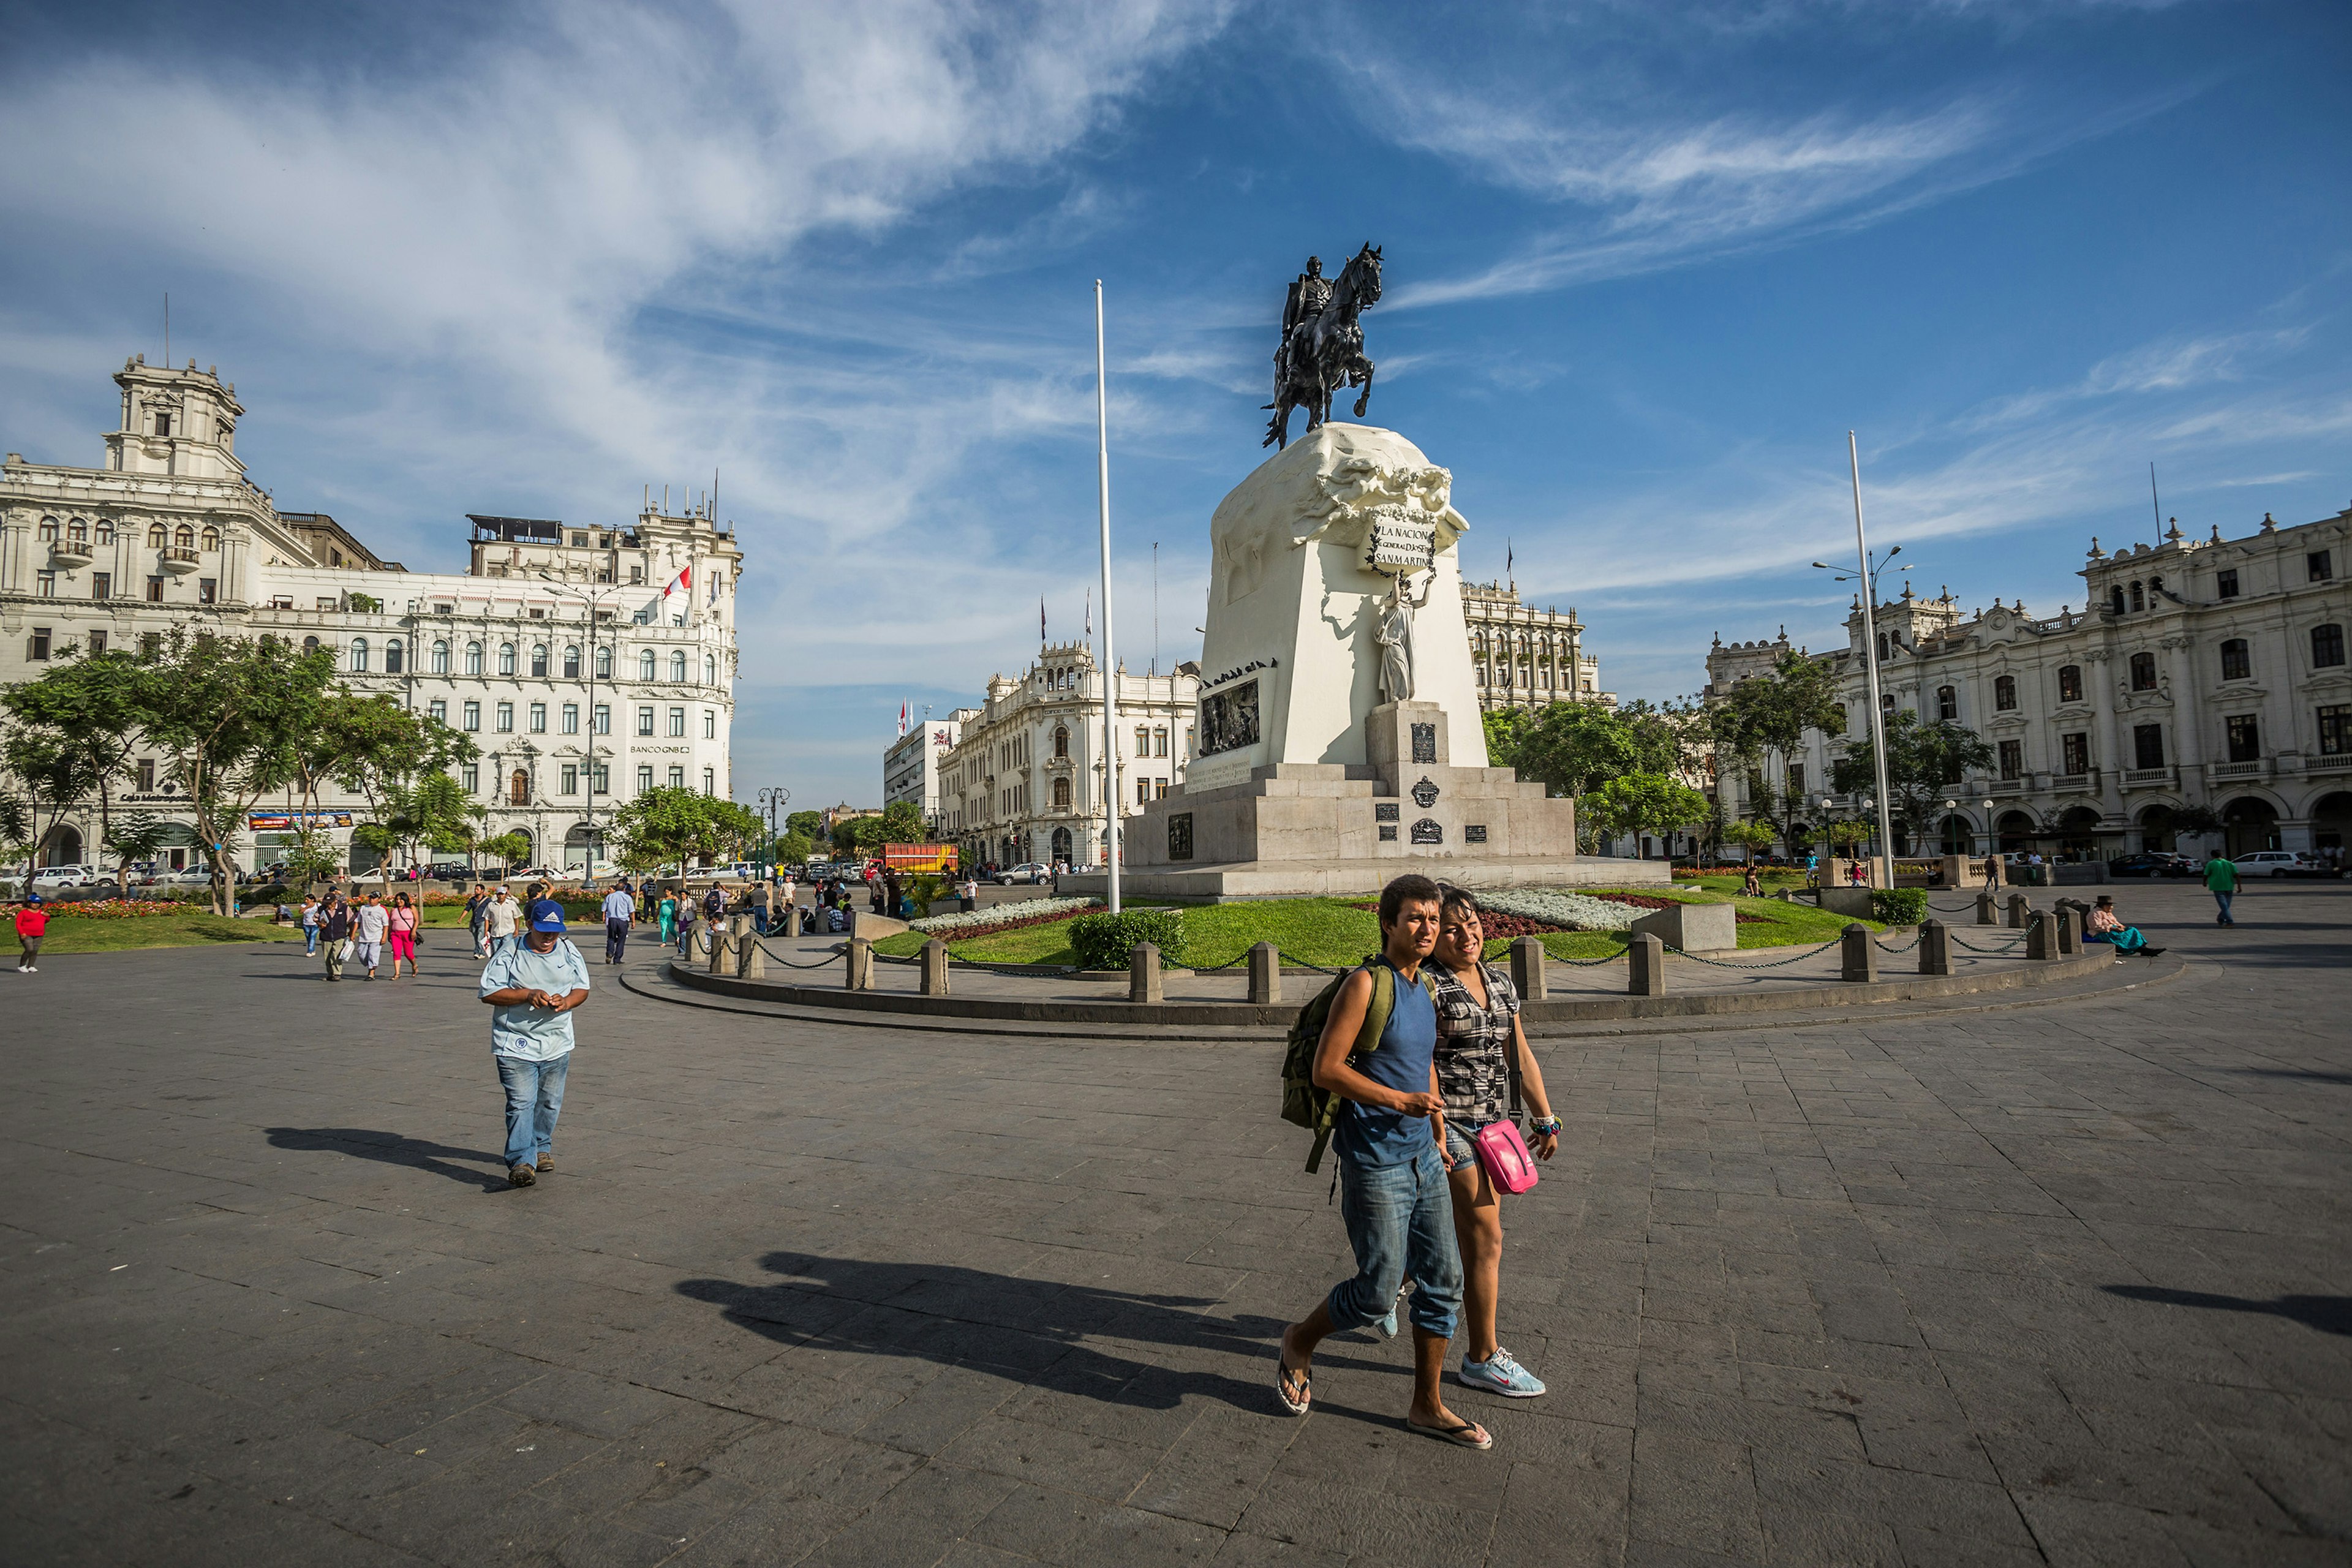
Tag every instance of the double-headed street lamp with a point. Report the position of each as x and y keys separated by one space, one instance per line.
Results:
x=772 y=799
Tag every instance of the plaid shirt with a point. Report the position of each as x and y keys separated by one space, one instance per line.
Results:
x=1473 y=1045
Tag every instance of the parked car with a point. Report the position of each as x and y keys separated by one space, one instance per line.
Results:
x=2149 y=863
x=197 y=876
x=449 y=871
x=2285 y=863
x=50 y=878
x=1029 y=871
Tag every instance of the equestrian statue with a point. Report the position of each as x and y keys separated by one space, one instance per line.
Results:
x=1322 y=347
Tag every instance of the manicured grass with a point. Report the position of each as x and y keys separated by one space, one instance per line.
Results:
x=1332 y=931
x=1772 y=879
x=72 y=935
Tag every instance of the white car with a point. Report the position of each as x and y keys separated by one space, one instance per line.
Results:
x=49 y=878
x=1030 y=871
x=2283 y=863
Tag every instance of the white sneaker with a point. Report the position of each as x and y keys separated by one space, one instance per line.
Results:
x=1498 y=1373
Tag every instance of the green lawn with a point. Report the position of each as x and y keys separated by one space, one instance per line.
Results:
x=1331 y=931
x=196 y=930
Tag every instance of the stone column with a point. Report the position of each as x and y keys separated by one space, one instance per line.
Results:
x=1645 y=959
x=1144 y=980
x=2042 y=937
x=1987 y=913
x=2112 y=760
x=935 y=968
x=860 y=974
x=1528 y=969
x=1264 y=974
x=1857 y=955
x=1935 y=948
x=2188 y=715
x=2021 y=913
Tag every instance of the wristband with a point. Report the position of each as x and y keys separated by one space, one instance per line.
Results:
x=1544 y=1126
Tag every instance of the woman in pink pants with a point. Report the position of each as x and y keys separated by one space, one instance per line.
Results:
x=402 y=929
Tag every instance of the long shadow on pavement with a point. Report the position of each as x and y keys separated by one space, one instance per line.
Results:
x=2328 y=1314
x=391 y=1149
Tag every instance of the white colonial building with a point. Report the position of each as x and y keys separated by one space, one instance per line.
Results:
x=1525 y=657
x=910 y=767
x=1025 y=780
x=2204 y=673
x=588 y=664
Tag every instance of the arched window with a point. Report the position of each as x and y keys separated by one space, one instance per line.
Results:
x=2115 y=599
x=604 y=664
x=2237 y=659
x=571 y=661
x=2070 y=683
x=473 y=659
x=440 y=656
x=212 y=539
x=105 y=531
x=2139 y=599
x=156 y=538
x=1886 y=702
x=677 y=664
x=2004 y=692
x=1061 y=794
x=309 y=645
x=359 y=653
x=519 y=788
x=648 y=664
x=2327 y=645
x=1882 y=647
x=1947 y=702
x=49 y=531
x=709 y=669
x=391 y=657
x=2142 y=672
x=506 y=659
x=1061 y=744
x=78 y=533
x=539 y=659
x=183 y=537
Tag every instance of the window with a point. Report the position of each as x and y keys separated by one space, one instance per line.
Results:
x=207 y=590
x=1188 y=740
x=678 y=721
x=156 y=538
x=105 y=531
x=359 y=659
x=473 y=711
x=539 y=717
x=710 y=723
x=1142 y=741
x=601 y=721
x=2236 y=664
x=2070 y=683
x=637 y=573
x=570 y=778
x=439 y=710
x=162 y=425
x=2335 y=729
x=40 y=649
x=1160 y=787
x=211 y=540
x=2075 y=755
x=1947 y=702
x=506 y=659
x=519 y=788
x=645 y=720
x=78 y=534
x=49 y=531
x=2004 y=692
x=571 y=718
x=2327 y=646
x=440 y=657
x=102 y=585
x=150 y=644
x=98 y=642
x=146 y=775
x=677 y=664
x=710 y=781
x=604 y=664
x=1882 y=647
x=46 y=583
x=506 y=718
x=600 y=779
x=471 y=776
x=2115 y=599
x=1061 y=794
x=709 y=669
x=572 y=662
x=2142 y=672
x=2225 y=584
x=645 y=779
x=2322 y=563
x=1142 y=792
x=539 y=661
x=2138 y=599
x=646 y=664
x=183 y=537
x=1061 y=744
x=1797 y=780
x=676 y=776
x=473 y=659
x=1159 y=743
x=393 y=657
x=2012 y=759
x=2245 y=738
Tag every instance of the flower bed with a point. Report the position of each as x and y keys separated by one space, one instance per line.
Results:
x=989 y=922
x=119 y=909
x=1569 y=911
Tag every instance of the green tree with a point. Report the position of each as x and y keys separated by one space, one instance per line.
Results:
x=91 y=705
x=1642 y=803
x=809 y=825
x=1574 y=748
x=1750 y=836
x=137 y=836
x=794 y=848
x=673 y=825
x=1505 y=728
x=53 y=773
x=1924 y=762
x=1764 y=719
x=386 y=751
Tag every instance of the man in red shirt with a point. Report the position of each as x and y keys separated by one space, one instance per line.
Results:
x=31 y=921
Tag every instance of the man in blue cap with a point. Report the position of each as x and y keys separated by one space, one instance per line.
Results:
x=532 y=986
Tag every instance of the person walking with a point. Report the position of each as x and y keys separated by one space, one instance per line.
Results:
x=667 y=914
x=499 y=918
x=309 y=926
x=619 y=910
x=335 y=935
x=532 y=987
x=688 y=913
x=1992 y=871
x=369 y=923
x=400 y=929
x=1395 y=1201
x=2221 y=881
x=477 y=904
x=1481 y=1047
x=32 y=924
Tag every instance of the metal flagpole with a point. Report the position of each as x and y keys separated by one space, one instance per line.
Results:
x=1110 y=644
x=1870 y=661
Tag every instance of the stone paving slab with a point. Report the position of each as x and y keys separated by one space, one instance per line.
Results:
x=2065 y=1283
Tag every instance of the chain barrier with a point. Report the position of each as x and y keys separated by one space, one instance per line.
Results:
x=1888 y=947
x=1781 y=964
x=2001 y=947
x=1302 y=964
x=1586 y=963
x=821 y=963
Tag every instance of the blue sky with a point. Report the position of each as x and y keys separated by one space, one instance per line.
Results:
x=1646 y=263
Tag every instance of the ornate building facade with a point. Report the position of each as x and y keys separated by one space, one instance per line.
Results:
x=1024 y=780
x=2202 y=673
x=588 y=664
x=1525 y=657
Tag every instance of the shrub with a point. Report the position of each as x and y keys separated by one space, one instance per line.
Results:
x=1899 y=905
x=1109 y=941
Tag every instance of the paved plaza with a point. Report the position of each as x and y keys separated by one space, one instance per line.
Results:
x=2063 y=1283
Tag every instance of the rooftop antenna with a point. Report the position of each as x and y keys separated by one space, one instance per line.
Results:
x=2154 y=507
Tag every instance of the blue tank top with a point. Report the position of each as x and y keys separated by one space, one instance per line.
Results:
x=1374 y=1137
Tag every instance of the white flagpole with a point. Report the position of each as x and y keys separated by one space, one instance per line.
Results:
x=1107 y=664
x=1870 y=662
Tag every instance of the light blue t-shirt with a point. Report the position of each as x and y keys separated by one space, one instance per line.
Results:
x=619 y=906
x=534 y=1034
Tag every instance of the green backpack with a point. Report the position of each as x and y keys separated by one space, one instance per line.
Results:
x=1302 y=1102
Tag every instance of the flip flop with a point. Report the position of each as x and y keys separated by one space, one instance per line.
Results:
x=1284 y=1380
x=1459 y=1435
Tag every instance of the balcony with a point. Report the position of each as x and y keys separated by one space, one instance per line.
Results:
x=2254 y=769
x=2151 y=778
x=179 y=563
x=2321 y=763
x=2006 y=786
x=72 y=556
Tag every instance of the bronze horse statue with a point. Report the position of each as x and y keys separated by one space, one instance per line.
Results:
x=1326 y=352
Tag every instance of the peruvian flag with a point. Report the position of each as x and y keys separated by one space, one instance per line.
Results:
x=902 y=719
x=682 y=583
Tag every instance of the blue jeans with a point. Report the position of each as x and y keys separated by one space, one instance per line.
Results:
x=2224 y=898
x=1400 y=1221
x=534 y=1100
x=310 y=941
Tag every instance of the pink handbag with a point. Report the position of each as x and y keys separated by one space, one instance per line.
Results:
x=1505 y=1155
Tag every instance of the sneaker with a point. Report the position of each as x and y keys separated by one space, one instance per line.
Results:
x=522 y=1176
x=1387 y=1325
x=1498 y=1373
x=546 y=1163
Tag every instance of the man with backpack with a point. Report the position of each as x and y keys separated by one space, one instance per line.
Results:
x=1372 y=1086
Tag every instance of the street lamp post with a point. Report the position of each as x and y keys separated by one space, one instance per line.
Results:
x=1866 y=573
x=594 y=602
x=773 y=797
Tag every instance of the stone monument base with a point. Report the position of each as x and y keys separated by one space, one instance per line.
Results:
x=1305 y=829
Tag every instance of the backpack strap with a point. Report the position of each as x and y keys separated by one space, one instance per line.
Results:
x=1377 y=1011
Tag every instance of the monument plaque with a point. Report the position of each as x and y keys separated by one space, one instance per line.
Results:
x=1386 y=811
x=1387 y=832
x=1424 y=794
x=1424 y=742
x=1180 y=836
x=1476 y=833
x=1428 y=831
x=1229 y=719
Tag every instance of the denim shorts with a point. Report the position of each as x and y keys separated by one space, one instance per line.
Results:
x=1400 y=1221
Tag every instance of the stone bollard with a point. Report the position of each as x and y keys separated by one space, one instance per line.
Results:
x=1935 y=948
x=1528 y=969
x=721 y=945
x=2068 y=918
x=1264 y=974
x=1988 y=912
x=1646 y=960
x=752 y=960
x=1857 y=955
x=861 y=964
x=935 y=968
x=1144 y=980
x=2041 y=936
x=2019 y=911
